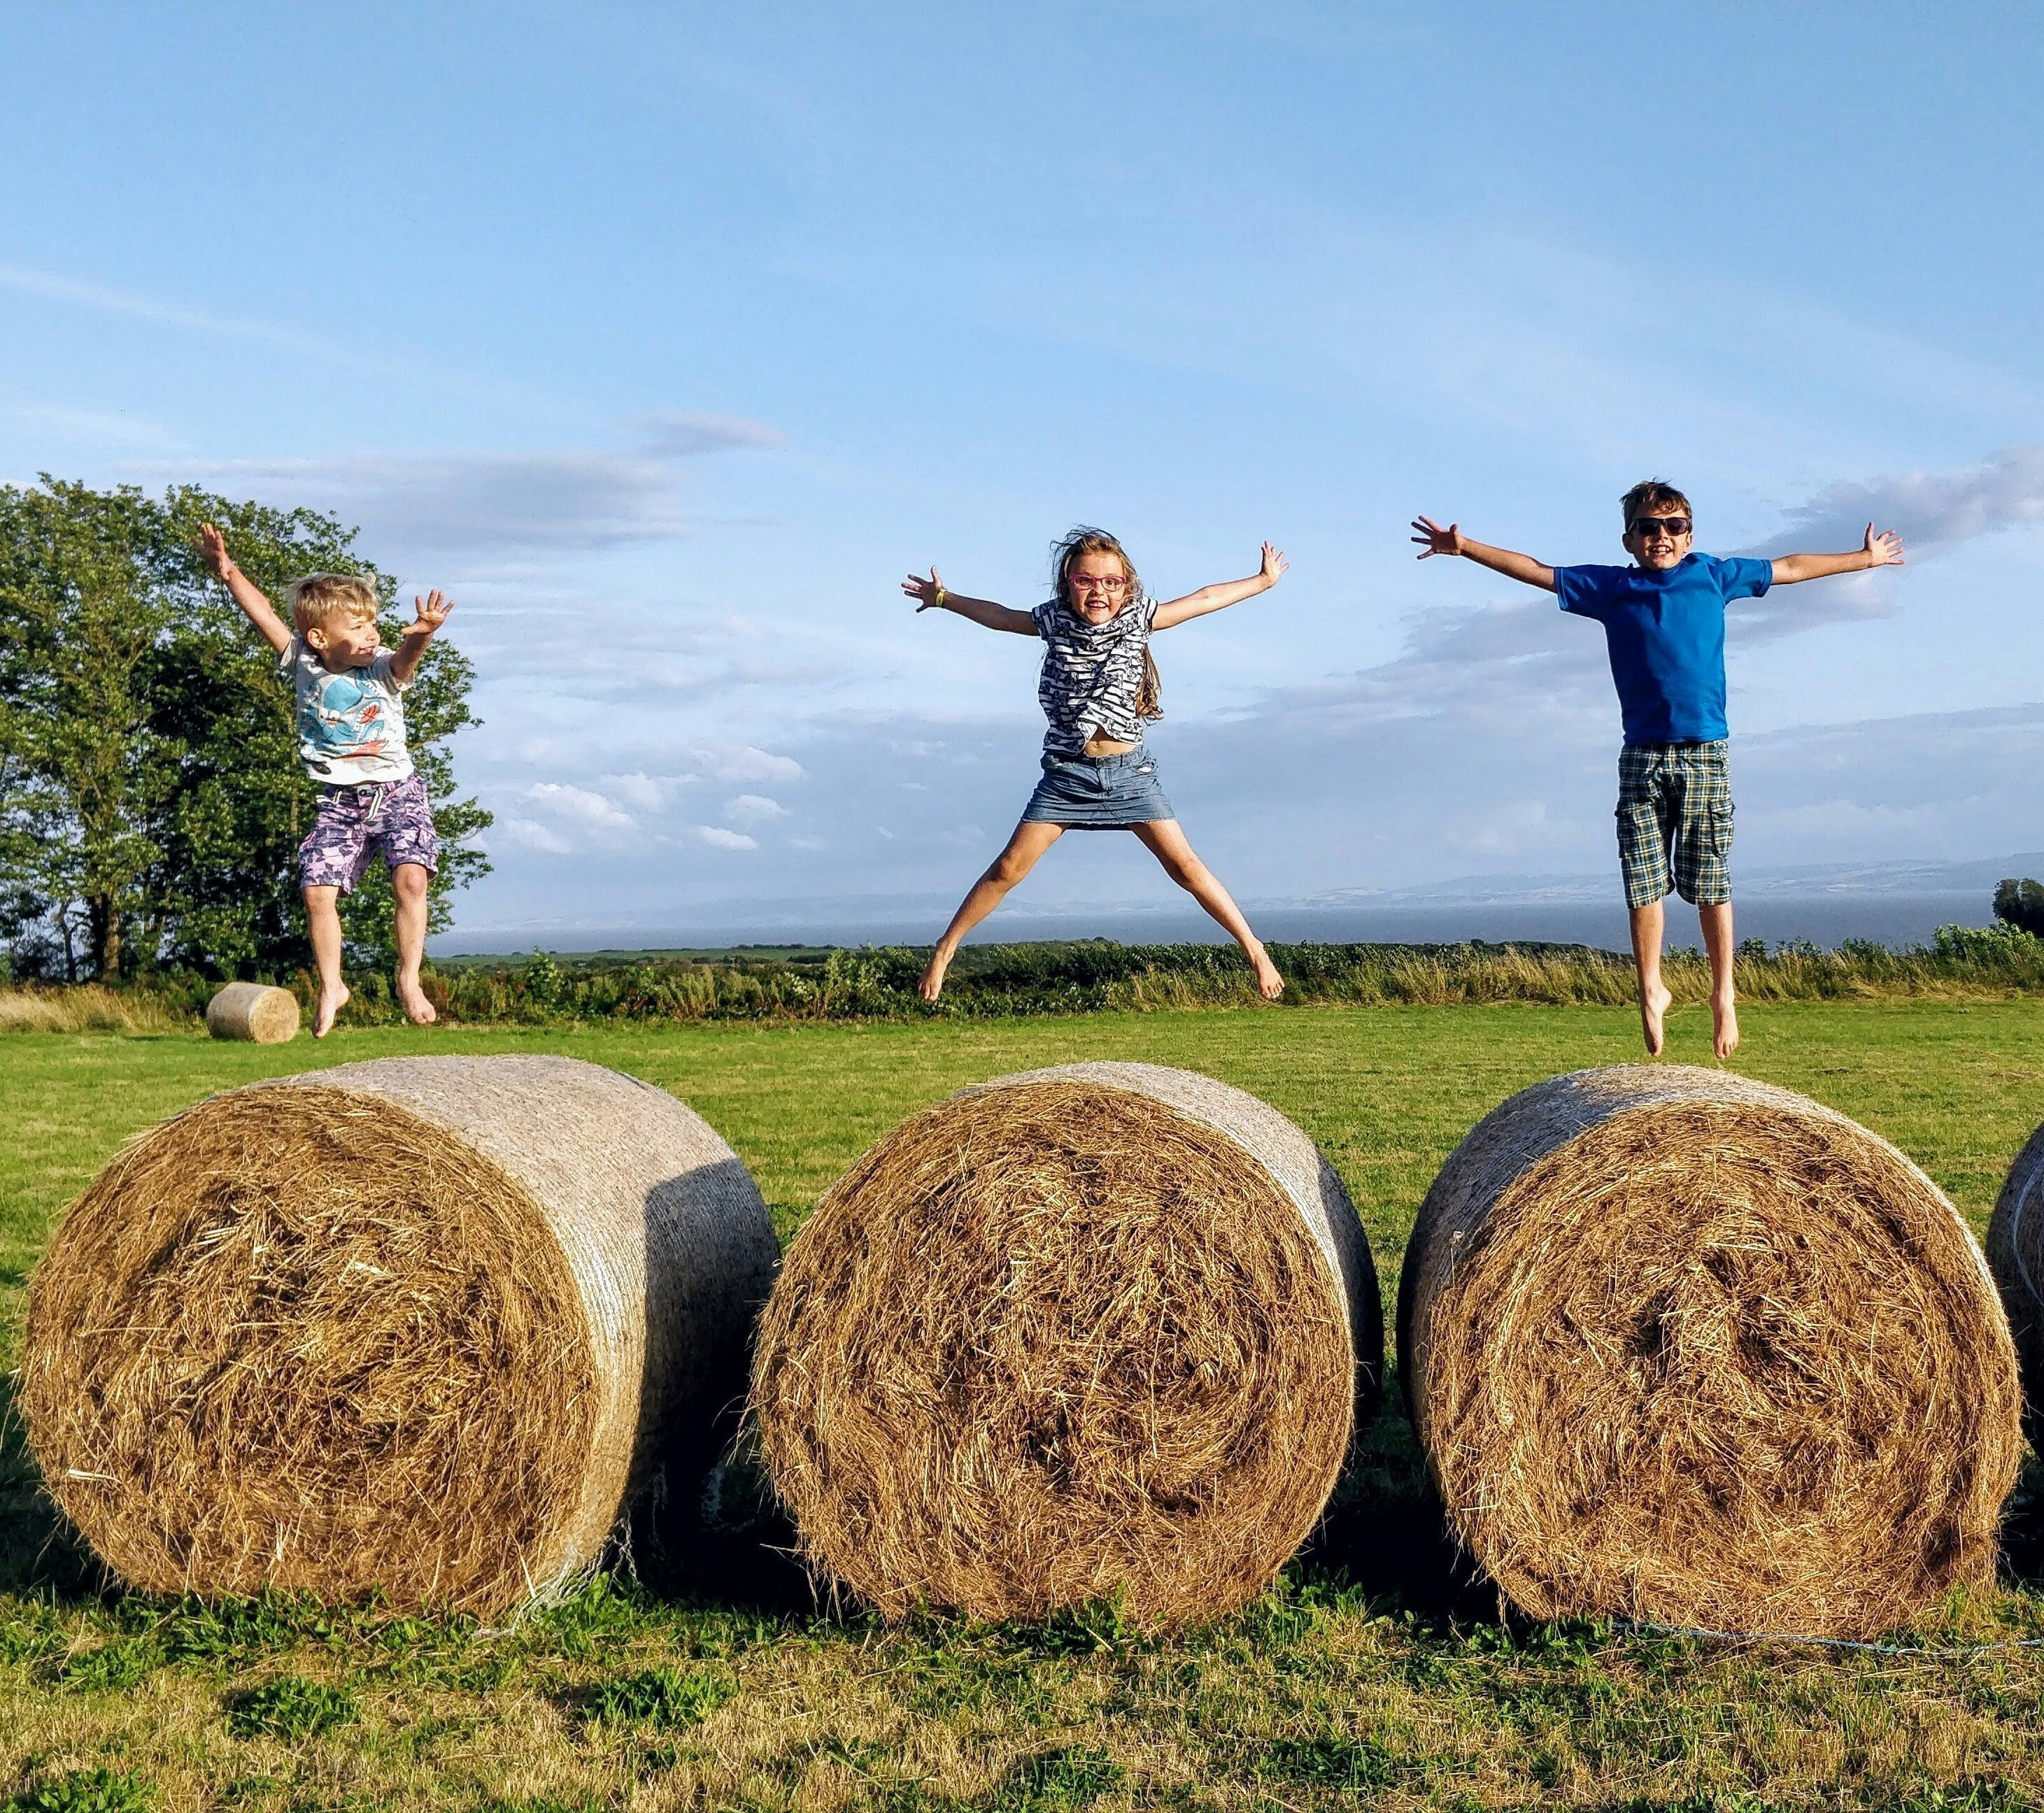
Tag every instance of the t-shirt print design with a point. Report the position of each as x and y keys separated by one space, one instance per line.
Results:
x=351 y=724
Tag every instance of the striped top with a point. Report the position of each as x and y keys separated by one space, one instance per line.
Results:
x=1092 y=676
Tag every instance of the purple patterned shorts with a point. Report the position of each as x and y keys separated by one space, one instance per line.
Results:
x=353 y=821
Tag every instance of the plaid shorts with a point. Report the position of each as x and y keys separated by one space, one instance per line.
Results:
x=1674 y=812
x=394 y=815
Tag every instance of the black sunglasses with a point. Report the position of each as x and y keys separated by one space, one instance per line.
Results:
x=1675 y=527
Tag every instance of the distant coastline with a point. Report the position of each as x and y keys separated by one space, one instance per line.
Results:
x=1898 y=920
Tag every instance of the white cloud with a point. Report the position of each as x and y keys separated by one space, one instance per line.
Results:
x=1928 y=508
x=639 y=790
x=579 y=806
x=531 y=834
x=416 y=510
x=676 y=435
x=742 y=762
x=754 y=808
x=717 y=838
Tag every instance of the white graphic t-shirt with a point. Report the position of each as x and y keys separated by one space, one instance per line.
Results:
x=351 y=723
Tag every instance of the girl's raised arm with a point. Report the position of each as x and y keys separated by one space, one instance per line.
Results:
x=1219 y=597
x=930 y=595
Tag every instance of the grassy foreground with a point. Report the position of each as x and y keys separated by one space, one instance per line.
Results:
x=1370 y=1675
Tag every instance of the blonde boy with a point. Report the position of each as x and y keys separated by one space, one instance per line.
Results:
x=350 y=725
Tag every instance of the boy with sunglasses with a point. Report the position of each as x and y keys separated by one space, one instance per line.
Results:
x=1664 y=620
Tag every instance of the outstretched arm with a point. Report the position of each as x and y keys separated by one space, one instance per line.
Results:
x=930 y=595
x=432 y=612
x=1881 y=549
x=255 y=605
x=1432 y=540
x=1219 y=597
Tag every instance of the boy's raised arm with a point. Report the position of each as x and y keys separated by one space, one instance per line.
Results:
x=255 y=605
x=1219 y=597
x=930 y=595
x=1432 y=540
x=432 y=612
x=1884 y=549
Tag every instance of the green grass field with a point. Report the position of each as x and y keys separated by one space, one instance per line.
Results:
x=1368 y=1677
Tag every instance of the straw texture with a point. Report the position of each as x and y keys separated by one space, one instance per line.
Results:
x=1102 y=1329
x=413 y=1327
x=1686 y=1347
x=253 y=1011
x=2015 y=1254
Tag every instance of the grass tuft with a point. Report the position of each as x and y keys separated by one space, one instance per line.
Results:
x=1075 y=1776
x=665 y=1699
x=290 y=1708
x=88 y=1791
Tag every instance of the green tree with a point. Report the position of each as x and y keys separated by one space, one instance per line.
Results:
x=83 y=775
x=2021 y=904
x=152 y=800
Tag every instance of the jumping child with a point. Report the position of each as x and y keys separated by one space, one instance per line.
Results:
x=351 y=724
x=1664 y=623
x=1098 y=685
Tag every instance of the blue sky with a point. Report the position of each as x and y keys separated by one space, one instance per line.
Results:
x=667 y=338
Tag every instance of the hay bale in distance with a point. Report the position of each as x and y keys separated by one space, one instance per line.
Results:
x=2015 y=1255
x=253 y=1011
x=1690 y=1349
x=1099 y=1329
x=413 y=1326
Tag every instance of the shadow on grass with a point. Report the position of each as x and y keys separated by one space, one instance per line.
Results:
x=720 y=1541
x=41 y=1554
x=1386 y=1532
x=2022 y=1529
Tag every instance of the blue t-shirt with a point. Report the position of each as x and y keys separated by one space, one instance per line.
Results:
x=1666 y=634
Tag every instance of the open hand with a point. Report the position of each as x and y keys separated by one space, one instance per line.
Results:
x=928 y=593
x=212 y=548
x=1884 y=549
x=1432 y=539
x=432 y=609
x=1274 y=564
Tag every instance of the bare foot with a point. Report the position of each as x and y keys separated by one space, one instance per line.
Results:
x=332 y=1000
x=1724 y=1026
x=1653 y=1004
x=932 y=984
x=418 y=1010
x=1268 y=983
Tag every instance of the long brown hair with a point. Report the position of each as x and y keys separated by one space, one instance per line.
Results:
x=1084 y=539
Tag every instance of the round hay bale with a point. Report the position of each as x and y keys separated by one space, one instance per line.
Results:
x=1689 y=1348
x=413 y=1327
x=1102 y=1329
x=2015 y=1255
x=253 y=1011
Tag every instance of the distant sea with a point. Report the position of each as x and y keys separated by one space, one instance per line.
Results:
x=1897 y=919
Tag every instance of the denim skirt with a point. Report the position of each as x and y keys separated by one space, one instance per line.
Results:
x=1098 y=793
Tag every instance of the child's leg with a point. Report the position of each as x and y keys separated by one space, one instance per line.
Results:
x=1645 y=836
x=1647 y=923
x=1030 y=841
x=1166 y=841
x=408 y=882
x=323 y=916
x=1703 y=874
x=1716 y=922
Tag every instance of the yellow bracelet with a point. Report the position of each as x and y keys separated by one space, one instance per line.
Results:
x=942 y=595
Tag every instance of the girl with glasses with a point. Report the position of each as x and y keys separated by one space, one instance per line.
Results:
x=1097 y=686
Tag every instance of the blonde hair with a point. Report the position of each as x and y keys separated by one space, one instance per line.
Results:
x=318 y=598
x=1064 y=555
